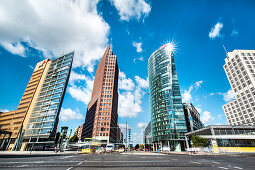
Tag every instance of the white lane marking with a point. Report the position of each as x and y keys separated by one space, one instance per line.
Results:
x=223 y=167
x=79 y=163
x=195 y=162
x=237 y=167
x=215 y=162
x=69 y=168
x=66 y=157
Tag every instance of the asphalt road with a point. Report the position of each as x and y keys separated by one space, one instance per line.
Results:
x=125 y=161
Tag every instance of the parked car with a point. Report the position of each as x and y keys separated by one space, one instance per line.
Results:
x=166 y=148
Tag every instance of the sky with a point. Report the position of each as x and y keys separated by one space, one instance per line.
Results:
x=34 y=30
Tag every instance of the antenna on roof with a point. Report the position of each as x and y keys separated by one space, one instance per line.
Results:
x=225 y=49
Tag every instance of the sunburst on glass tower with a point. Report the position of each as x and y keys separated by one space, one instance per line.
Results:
x=101 y=118
x=168 y=124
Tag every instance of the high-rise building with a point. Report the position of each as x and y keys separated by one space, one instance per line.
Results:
x=192 y=117
x=101 y=117
x=36 y=117
x=167 y=116
x=240 y=69
x=147 y=139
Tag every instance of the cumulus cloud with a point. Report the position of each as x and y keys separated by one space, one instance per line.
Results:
x=228 y=96
x=55 y=28
x=14 y=48
x=139 y=58
x=129 y=9
x=206 y=117
x=138 y=46
x=81 y=93
x=141 y=82
x=130 y=99
x=69 y=114
x=186 y=96
x=215 y=31
x=125 y=83
x=4 y=110
x=141 y=125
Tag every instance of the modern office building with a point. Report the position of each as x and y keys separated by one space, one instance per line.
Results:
x=102 y=117
x=167 y=116
x=240 y=69
x=192 y=117
x=36 y=117
x=226 y=139
x=147 y=139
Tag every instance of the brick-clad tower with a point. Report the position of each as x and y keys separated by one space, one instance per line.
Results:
x=101 y=118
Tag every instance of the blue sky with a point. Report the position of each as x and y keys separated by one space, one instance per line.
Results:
x=35 y=30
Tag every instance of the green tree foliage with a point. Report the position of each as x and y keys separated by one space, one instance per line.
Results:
x=136 y=146
x=74 y=138
x=199 y=141
x=141 y=146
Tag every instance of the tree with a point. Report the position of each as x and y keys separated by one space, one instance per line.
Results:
x=136 y=146
x=74 y=138
x=141 y=146
x=199 y=141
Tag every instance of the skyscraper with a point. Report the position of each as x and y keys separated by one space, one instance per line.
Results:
x=240 y=69
x=36 y=117
x=102 y=117
x=168 y=124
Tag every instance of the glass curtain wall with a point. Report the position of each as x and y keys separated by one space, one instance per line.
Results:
x=44 y=118
x=167 y=115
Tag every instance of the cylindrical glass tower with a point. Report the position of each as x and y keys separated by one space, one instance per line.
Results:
x=168 y=124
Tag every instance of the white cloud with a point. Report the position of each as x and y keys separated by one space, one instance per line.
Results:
x=215 y=31
x=125 y=83
x=128 y=106
x=30 y=66
x=129 y=9
x=234 y=32
x=198 y=84
x=55 y=28
x=186 y=96
x=138 y=46
x=14 y=48
x=141 y=82
x=131 y=98
x=4 y=110
x=80 y=94
x=69 y=114
x=228 y=96
x=141 y=125
x=139 y=58
x=206 y=117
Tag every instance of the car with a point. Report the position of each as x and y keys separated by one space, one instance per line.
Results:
x=121 y=150
x=110 y=147
x=166 y=148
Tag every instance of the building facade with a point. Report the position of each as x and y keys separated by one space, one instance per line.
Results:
x=226 y=139
x=192 y=117
x=167 y=116
x=240 y=70
x=147 y=139
x=102 y=117
x=36 y=117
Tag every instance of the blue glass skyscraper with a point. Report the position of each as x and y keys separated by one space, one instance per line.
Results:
x=168 y=124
